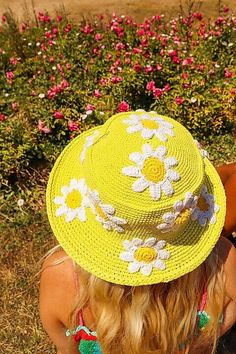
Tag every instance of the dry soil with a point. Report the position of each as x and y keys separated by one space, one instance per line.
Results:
x=137 y=8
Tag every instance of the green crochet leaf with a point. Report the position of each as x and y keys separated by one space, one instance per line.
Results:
x=203 y=319
x=89 y=347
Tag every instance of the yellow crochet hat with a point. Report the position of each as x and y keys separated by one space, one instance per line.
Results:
x=136 y=201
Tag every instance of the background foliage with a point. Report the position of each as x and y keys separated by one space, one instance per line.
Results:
x=59 y=78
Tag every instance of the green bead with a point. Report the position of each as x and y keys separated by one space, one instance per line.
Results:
x=89 y=347
x=203 y=319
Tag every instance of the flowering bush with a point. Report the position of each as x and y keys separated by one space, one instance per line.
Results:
x=59 y=79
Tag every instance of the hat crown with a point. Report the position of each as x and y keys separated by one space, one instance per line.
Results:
x=167 y=166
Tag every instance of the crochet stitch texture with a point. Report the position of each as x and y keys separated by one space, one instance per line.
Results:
x=136 y=185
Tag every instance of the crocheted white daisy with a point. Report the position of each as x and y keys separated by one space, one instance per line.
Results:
x=88 y=142
x=73 y=200
x=149 y=125
x=144 y=255
x=182 y=211
x=206 y=208
x=104 y=213
x=153 y=170
x=203 y=152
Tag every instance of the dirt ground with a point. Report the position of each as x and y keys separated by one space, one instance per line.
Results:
x=137 y=8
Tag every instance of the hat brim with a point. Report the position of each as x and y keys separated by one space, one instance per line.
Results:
x=98 y=251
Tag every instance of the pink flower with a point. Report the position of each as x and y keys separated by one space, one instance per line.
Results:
x=144 y=42
x=148 y=69
x=172 y=53
x=123 y=107
x=4 y=18
x=14 y=106
x=226 y=9
x=176 y=60
x=227 y=73
x=117 y=62
x=156 y=18
x=23 y=27
x=96 y=51
x=137 y=67
x=58 y=115
x=108 y=56
x=43 y=18
x=65 y=83
x=98 y=36
x=157 y=92
x=159 y=67
x=103 y=82
x=136 y=50
x=55 y=31
x=219 y=20
x=51 y=60
x=120 y=31
x=57 y=89
x=59 y=67
x=87 y=29
x=116 y=79
x=2 y=117
x=119 y=46
x=42 y=128
x=162 y=52
x=72 y=126
x=179 y=100
x=51 y=43
x=48 y=34
x=166 y=88
x=150 y=86
x=68 y=66
x=90 y=107
x=59 y=18
x=187 y=61
x=185 y=76
x=201 y=67
x=140 y=32
x=13 y=61
x=97 y=93
x=43 y=47
x=197 y=15
x=10 y=75
x=68 y=28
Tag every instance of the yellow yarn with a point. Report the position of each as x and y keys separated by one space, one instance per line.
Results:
x=183 y=216
x=150 y=124
x=74 y=199
x=145 y=254
x=153 y=169
x=175 y=167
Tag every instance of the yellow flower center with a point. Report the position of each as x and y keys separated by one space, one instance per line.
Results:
x=74 y=199
x=202 y=204
x=183 y=216
x=153 y=169
x=149 y=124
x=145 y=254
x=101 y=213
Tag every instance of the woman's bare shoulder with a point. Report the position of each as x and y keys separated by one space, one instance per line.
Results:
x=227 y=252
x=57 y=285
x=58 y=257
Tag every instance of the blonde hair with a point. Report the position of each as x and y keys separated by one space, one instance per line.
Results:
x=159 y=318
